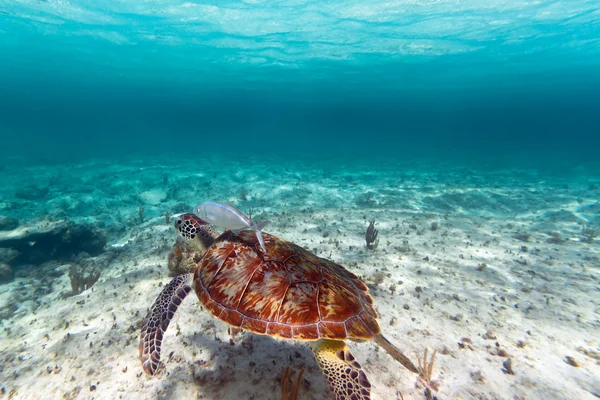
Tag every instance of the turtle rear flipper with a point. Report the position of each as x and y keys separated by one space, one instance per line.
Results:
x=157 y=321
x=343 y=373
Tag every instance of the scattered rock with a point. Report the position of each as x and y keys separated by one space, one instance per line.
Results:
x=571 y=361
x=465 y=343
x=508 y=367
x=490 y=334
x=589 y=352
x=502 y=353
x=458 y=317
x=8 y=223
x=478 y=376
x=497 y=350
x=45 y=241
x=524 y=237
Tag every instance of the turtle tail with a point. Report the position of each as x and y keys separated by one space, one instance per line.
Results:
x=395 y=353
x=157 y=321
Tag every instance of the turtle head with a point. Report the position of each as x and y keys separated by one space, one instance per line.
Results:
x=197 y=232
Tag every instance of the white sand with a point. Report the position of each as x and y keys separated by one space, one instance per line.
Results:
x=536 y=306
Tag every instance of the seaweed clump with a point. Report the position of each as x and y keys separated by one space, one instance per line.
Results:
x=290 y=387
x=141 y=210
x=555 y=238
x=82 y=278
x=182 y=259
x=588 y=233
x=174 y=260
x=371 y=236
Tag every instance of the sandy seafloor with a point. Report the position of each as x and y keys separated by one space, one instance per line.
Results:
x=505 y=275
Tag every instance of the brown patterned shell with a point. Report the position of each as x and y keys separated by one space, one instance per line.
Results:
x=288 y=292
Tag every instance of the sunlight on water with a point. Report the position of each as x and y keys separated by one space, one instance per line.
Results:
x=345 y=36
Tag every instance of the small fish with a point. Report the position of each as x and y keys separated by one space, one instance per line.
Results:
x=229 y=217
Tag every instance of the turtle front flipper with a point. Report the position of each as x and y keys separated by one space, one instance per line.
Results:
x=344 y=374
x=157 y=321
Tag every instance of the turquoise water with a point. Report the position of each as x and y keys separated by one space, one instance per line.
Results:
x=104 y=77
x=466 y=130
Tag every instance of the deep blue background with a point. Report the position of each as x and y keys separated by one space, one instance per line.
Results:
x=104 y=118
x=66 y=98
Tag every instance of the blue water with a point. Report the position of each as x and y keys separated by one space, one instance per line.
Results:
x=467 y=130
x=494 y=79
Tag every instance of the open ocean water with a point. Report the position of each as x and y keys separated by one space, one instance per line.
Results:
x=468 y=132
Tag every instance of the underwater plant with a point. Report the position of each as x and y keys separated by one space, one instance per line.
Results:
x=81 y=281
x=426 y=372
x=371 y=236
x=243 y=194
x=181 y=260
x=174 y=260
x=588 y=233
x=555 y=238
x=141 y=210
x=290 y=388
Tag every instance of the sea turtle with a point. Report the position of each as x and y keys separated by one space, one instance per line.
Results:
x=286 y=292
